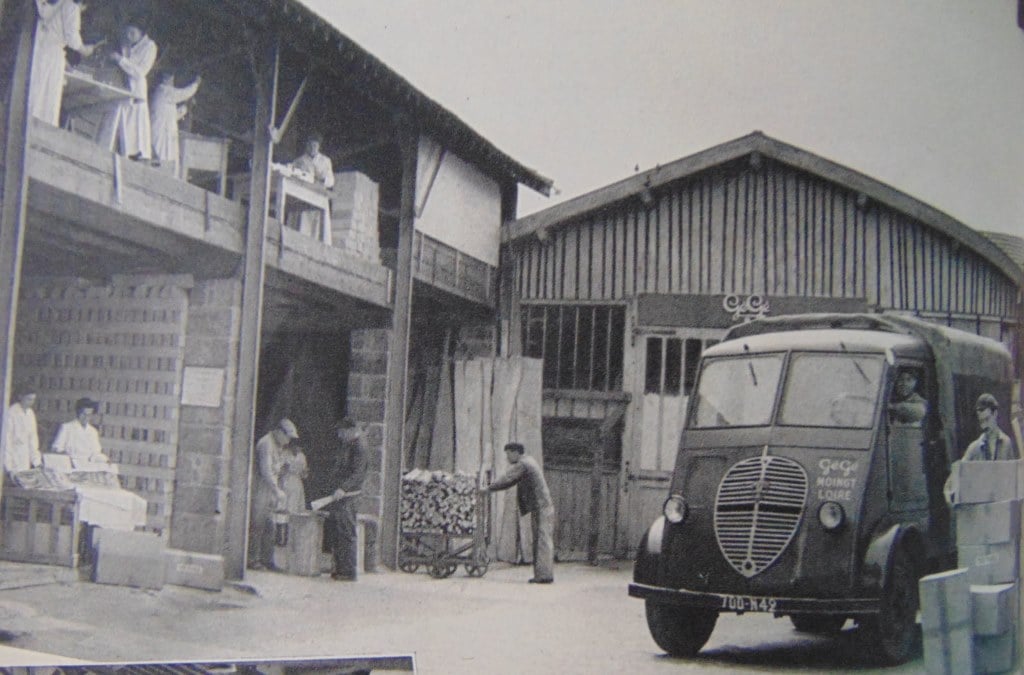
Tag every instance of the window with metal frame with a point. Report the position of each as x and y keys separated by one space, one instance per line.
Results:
x=581 y=345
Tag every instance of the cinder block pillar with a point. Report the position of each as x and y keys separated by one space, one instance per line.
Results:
x=202 y=479
x=367 y=390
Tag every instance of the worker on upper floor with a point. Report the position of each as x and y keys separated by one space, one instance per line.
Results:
x=58 y=27
x=165 y=109
x=315 y=163
x=136 y=58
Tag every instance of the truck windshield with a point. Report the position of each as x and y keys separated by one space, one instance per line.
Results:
x=737 y=391
x=831 y=390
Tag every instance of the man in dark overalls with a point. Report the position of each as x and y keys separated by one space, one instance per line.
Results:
x=347 y=478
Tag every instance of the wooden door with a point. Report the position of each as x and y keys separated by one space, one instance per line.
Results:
x=667 y=361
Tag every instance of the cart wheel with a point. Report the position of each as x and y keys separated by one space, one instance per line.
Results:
x=409 y=567
x=475 y=570
x=442 y=570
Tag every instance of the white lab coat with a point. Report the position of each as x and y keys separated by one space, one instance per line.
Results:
x=164 y=115
x=20 y=440
x=133 y=117
x=81 y=443
x=59 y=26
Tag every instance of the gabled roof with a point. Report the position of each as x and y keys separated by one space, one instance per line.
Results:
x=784 y=153
x=294 y=18
x=1011 y=244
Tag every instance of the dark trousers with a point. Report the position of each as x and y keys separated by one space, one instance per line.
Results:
x=346 y=553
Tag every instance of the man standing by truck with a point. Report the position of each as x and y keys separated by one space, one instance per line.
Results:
x=993 y=444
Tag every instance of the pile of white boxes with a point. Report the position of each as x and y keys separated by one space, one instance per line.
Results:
x=354 y=205
x=970 y=616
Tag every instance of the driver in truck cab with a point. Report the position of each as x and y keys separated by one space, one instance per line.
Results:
x=906 y=406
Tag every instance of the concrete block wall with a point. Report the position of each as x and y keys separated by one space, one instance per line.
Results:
x=201 y=488
x=367 y=391
x=354 y=205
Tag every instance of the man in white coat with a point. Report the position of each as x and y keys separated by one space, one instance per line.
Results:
x=136 y=58
x=59 y=26
x=21 y=435
x=165 y=109
x=78 y=438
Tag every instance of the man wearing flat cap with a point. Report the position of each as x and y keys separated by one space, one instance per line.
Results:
x=267 y=494
x=534 y=498
x=347 y=478
x=993 y=443
x=78 y=438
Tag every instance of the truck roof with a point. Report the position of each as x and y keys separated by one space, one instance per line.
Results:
x=826 y=340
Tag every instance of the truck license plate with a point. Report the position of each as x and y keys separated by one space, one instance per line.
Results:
x=746 y=603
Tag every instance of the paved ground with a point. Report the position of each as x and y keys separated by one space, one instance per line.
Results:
x=585 y=622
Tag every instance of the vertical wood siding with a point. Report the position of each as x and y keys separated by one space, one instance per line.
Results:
x=773 y=231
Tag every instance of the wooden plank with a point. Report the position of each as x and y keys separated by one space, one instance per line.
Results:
x=570 y=271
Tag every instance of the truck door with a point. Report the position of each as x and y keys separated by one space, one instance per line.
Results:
x=905 y=424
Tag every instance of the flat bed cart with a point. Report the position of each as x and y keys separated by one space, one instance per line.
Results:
x=442 y=551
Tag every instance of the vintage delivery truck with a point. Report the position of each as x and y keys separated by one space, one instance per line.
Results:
x=809 y=477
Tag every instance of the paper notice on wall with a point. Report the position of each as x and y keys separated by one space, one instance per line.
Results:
x=202 y=386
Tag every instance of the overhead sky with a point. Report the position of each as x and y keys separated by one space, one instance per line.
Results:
x=925 y=95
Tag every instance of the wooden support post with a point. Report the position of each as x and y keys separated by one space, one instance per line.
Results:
x=252 y=274
x=14 y=209
x=398 y=352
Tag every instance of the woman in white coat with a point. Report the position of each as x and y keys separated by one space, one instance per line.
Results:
x=136 y=59
x=59 y=25
x=165 y=109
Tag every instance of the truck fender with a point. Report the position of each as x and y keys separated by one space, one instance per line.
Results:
x=645 y=570
x=878 y=558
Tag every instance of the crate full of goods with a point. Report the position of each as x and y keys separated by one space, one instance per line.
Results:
x=438 y=501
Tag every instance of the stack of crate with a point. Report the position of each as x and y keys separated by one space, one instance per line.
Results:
x=988 y=525
x=354 y=206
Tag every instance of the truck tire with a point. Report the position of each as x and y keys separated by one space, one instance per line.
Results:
x=680 y=631
x=818 y=624
x=893 y=633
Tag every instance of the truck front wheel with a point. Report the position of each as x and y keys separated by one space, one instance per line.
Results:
x=894 y=632
x=680 y=631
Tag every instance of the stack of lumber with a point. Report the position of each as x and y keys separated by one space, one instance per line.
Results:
x=438 y=501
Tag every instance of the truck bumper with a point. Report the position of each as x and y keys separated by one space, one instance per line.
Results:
x=739 y=604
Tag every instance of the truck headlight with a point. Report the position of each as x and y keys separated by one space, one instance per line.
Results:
x=831 y=515
x=675 y=509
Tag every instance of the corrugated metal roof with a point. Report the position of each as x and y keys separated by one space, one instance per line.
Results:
x=392 y=88
x=757 y=142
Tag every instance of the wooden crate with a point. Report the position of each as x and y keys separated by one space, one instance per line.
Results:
x=39 y=526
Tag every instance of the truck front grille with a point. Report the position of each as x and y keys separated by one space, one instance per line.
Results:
x=758 y=508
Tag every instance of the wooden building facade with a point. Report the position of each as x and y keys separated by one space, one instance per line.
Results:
x=191 y=305
x=620 y=290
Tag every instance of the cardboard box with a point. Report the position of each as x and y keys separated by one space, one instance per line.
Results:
x=994 y=609
x=946 y=623
x=195 y=570
x=988 y=481
x=988 y=523
x=989 y=564
x=945 y=601
x=950 y=652
x=995 y=653
x=129 y=559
